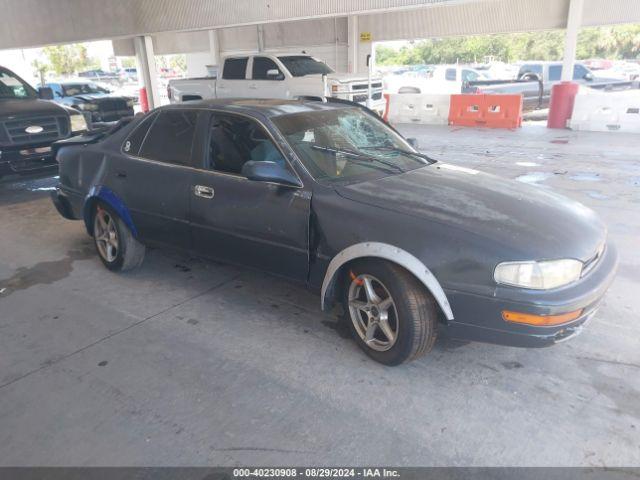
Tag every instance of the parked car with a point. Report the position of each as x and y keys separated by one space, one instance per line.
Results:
x=329 y=195
x=536 y=79
x=29 y=124
x=278 y=76
x=129 y=74
x=443 y=79
x=99 y=104
x=99 y=75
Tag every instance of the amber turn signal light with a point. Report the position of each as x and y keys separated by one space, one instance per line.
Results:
x=540 y=320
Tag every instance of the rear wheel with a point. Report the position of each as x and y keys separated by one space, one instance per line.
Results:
x=116 y=246
x=392 y=317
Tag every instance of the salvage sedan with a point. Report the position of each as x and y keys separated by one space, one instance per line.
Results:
x=328 y=195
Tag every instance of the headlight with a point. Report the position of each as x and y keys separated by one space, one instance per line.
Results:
x=339 y=88
x=78 y=123
x=130 y=103
x=90 y=107
x=538 y=275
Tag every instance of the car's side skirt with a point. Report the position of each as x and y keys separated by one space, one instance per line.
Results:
x=393 y=254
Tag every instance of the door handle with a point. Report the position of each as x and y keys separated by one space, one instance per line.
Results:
x=253 y=86
x=202 y=191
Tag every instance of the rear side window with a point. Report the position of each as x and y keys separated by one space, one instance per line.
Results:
x=555 y=72
x=235 y=68
x=261 y=65
x=134 y=141
x=170 y=139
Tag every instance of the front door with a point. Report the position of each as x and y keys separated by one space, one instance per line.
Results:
x=261 y=225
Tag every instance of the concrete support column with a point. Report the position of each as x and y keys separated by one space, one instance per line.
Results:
x=353 y=35
x=214 y=47
x=147 y=73
x=574 y=19
x=260 y=38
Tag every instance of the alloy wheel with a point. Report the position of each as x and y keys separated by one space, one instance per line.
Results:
x=373 y=312
x=106 y=235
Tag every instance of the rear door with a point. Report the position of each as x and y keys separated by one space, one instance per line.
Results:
x=234 y=81
x=261 y=225
x=156 y=181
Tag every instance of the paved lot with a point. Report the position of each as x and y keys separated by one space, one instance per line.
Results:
x=186 y=362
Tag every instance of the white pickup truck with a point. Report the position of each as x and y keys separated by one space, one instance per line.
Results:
x=278 y=76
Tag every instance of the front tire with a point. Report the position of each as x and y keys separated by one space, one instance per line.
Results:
x=115 y=244
x=391 y=315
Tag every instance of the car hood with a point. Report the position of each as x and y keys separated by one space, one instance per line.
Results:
x=29 y=108
x=96 y=97
x=535 y=222
x=344 y=77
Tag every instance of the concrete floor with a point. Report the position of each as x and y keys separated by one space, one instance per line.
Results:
x=186 y=362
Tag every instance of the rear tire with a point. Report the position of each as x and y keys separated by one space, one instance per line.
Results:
x=115 y=244
x=391 y=315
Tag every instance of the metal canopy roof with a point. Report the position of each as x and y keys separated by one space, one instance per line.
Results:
x=28 y=23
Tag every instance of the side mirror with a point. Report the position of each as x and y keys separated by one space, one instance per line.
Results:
x=45 y=93
x=275 y=74
x=269 y=172
x=413 y=142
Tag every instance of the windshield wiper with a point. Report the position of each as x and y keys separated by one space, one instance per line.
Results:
x=358 y=156
x=401 y=150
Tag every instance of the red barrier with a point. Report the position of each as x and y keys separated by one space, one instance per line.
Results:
x=385 y=115
x=561 y=104
x=144 y=100
x=493 y=111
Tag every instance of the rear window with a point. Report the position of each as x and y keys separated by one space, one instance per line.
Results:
x=170 y=139
x=235 y=69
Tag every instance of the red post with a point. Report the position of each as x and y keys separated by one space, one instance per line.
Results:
x=561 y=105
x=144 y=100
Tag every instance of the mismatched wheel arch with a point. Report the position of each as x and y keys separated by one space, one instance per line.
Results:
x=392 y=254
x=106 y=195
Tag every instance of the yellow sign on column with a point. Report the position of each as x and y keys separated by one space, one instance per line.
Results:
x=365 y=36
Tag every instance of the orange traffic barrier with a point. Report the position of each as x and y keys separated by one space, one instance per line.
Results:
x=494 y=111
x=385 y=115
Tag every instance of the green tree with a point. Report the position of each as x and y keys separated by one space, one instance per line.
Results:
x=68 y=59
x=616 y=42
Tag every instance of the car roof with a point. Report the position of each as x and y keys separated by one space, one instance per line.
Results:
x=267 y=107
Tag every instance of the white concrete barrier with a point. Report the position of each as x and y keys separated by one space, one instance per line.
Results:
x=423 y=108
x=607 y=112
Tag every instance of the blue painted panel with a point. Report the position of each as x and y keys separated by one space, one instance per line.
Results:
x=106 y=195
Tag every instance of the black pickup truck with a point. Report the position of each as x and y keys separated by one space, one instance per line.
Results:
x=29 y=124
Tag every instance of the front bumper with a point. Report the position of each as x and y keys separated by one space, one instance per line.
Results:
x=479 y=318
x=25 y=160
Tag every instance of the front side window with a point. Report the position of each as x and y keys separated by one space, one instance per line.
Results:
x=235 y=68
x=579 y=72
x=261 y=65
x=236 y=140
x=12 y=86
x=171 y=137
x=450 y=74
x=347 y=145
x=301 y=65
